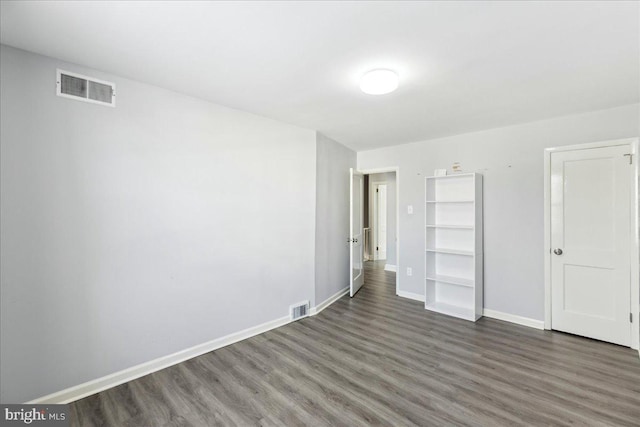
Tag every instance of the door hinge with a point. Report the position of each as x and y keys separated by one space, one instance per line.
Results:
x=376 y=190
x=377 y=248
x=631 y=317
x=630 y=158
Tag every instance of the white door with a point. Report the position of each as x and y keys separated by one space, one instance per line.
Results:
x=590 y=242
x=381 y=225
x=356 y=261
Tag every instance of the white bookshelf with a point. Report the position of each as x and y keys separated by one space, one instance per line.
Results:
x=453 y=239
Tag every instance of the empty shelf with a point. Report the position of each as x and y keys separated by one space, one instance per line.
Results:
x=452 y=280
x=455 y=175
x=450 y=201
x=463 y=227
x=450 y=251
x=451 y=310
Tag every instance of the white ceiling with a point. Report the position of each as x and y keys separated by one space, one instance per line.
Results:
x=464 y=66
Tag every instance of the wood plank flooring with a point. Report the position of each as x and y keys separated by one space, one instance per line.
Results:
x=378 y=359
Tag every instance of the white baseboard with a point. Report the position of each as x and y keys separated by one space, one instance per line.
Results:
x=410 y=295
x=326 y=303
x=80 y=391
x=519 y=320
x=95 y=386
x=389 y=267
x=74 y=393
x=524 y=321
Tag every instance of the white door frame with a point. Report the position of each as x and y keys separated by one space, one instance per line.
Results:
x=359 y=282
x=395 y=169
x=373 y=200
x=633 y=144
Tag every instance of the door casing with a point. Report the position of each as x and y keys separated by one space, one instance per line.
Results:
x=354 y=235
x=633 y=144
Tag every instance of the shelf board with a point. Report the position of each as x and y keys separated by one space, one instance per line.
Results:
x=451 y=310
x=455 y=175
x=450 y=251
x=450 y=201
x=452 y=280
x=464 y=227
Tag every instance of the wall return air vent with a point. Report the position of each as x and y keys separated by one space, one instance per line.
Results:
x=299 y=310
x=87 y=89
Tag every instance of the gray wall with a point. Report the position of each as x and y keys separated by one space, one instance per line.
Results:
x=511 y=160
x=332 y=216
x=133 y=232
x=390 y=178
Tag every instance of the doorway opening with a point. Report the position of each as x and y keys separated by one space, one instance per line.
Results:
x=374 y=228
x=380 y=219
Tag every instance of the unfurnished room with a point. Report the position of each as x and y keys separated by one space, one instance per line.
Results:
x=319 y=213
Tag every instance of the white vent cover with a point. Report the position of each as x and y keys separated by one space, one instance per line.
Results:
x=83 y=88
x=300 y=310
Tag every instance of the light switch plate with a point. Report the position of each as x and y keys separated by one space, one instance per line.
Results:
x=410 y=209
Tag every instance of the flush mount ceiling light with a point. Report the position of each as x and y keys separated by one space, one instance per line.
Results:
x=379 y=82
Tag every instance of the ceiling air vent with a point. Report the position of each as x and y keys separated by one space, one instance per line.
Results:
x=87 y=89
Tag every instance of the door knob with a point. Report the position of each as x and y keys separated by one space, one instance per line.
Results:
x=557 y=251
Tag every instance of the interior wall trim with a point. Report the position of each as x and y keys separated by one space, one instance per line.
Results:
x=88 y=388
x=326 y=303
x=493 y=314
x=519 y=320
x=80 y=391
x=410 y=295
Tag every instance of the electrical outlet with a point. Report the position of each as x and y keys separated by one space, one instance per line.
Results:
x=409 y=271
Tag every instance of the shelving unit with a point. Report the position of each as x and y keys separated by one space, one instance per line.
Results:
x=448 y=201
x=453 y=251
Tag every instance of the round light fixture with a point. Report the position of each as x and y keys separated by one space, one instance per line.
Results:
x=379 y=82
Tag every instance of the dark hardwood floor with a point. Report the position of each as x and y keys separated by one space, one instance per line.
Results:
x=378 y=359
